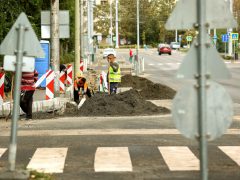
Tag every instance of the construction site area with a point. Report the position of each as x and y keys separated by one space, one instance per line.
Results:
x=136 y=96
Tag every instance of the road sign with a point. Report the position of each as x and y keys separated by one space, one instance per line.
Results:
x=20 y=41
x=188 y=68
x=189 y=38
x=64 y=31
x=182 y=19
x=219 y=114
x=234 y=36
x=225 y=38
x=9 y=63
x=32 y=45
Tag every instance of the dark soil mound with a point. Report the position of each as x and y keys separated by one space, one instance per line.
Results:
x=148 y=89
x=134 y=81
x=124 y=104
x=157 y=91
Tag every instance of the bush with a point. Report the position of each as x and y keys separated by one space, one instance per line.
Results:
x=67 y=58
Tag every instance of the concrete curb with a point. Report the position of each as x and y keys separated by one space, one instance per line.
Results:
x=38 y=106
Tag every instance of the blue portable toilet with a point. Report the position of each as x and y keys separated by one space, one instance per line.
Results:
x=43 y=64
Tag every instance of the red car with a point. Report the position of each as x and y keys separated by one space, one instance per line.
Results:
x=164 y=49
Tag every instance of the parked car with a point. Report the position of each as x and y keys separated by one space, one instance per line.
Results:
x=175 y=45
x=108 y=51
x=164 y=49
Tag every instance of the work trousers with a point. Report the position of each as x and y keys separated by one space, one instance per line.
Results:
x=26 y=102
x=113 y=87
x=76 y=95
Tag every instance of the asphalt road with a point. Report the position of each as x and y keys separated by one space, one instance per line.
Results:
x=142 y=136
x=163 y=69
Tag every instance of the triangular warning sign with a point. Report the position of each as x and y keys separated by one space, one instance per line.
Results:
x=216 y=67
x=184 y=16
x=31 y=44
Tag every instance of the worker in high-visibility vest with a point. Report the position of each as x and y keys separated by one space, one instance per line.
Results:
x=114 y=73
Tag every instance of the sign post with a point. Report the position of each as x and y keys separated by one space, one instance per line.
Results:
x=203 y=110
x=17 y=43
x=225 y=39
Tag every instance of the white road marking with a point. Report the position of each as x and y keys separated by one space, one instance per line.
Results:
x=179 y=158
x=93 y=132
x=151 y=64
x=112 y=159
x=48 y=160
x=2 y=151
x=232 y=152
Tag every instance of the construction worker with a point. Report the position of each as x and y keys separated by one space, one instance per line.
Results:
x=80 y=87
x=114 y=73
x=27 y=91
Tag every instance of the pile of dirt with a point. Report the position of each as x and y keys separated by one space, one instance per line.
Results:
x=134 y=81
x=123 y=104
x=147 y=88
x=128 y=103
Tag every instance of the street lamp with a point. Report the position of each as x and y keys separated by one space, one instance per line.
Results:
x=111 y=43
x=117 y=25
x=138 y=41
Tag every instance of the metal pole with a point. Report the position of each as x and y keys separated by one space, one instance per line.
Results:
x=77 y=38
x=214 y=36
x=138 y=39
x=81 y=29
x=230 y=31
x=17 y=84
x=55 y=60
x=111 y=25
x=89 y=27
x=202 y=40
x=176 y=35
x=117 y=39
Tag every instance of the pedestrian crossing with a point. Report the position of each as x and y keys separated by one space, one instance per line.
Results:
x=118 y=159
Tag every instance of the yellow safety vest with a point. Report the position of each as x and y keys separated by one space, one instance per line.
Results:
x=114 y=76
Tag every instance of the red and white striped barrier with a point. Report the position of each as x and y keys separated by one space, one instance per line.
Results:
x=81 y=65
x=61 y=82
x=69 y=74
x=2 y=76
x=50 y=85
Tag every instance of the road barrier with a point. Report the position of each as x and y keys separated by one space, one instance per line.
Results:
x=50 y=85
x=2 y=77
x=62 y=82
x=69 y=74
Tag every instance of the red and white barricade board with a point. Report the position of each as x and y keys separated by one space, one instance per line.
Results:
x=69 y=74
x=61 y=82
x=50 y=85
x=2 y=76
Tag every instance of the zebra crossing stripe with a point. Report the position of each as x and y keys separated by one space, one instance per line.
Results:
x=232 y=152
x=2 y=151
x=48 y=160
x=112 y=159
x=179 y=158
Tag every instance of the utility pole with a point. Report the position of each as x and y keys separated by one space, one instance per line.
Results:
x=176 y=35
x=230 y=49
x=138 y=39
x=55 y=59
x=81 y=28
x=77 y=38
x=117 y=39
x=215 y=36
x=89 y=27
x=111 y=24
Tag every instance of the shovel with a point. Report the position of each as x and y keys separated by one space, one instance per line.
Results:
x=81 y=102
